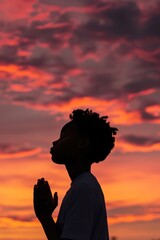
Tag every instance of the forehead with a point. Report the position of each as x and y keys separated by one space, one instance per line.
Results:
x=69 y=127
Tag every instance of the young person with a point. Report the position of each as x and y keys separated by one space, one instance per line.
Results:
x=86 y=139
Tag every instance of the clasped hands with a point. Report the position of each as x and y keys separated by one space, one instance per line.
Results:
x=43 y=201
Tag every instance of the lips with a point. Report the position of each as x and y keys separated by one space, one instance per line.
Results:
x=51 y=150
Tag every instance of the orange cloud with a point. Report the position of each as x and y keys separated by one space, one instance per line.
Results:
x=154 y=110
x=32 y=73
x=113 y=108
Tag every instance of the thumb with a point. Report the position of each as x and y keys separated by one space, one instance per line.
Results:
x=55 y=200
x=55 y=197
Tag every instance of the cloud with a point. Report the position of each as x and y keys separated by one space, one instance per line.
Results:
x=8 y=54
x=149 y=107
x=113 y=108
x=141 y=140
x=134 y=213
x=151 y=113
x=18 y=213
x=139 y=86
x=57 y=60
x=13 y=11
x=102 y=86
x=151 y=26
x=108 y=22
x=135 y=143
x=8 y=151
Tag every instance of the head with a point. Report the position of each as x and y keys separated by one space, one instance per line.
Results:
x=87 y=137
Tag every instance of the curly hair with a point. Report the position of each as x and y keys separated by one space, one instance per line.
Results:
x=98 y=130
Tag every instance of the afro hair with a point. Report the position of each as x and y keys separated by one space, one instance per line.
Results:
x=98 y=130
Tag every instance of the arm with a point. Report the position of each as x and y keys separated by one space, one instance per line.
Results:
x=50 y=228
x=44 y=205
x=78 y=218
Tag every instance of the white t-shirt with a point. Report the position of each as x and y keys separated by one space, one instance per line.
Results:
x=82 y=215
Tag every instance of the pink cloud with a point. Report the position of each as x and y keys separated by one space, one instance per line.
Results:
x=13 y=11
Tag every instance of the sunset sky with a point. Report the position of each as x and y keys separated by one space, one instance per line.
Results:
x=56 y=56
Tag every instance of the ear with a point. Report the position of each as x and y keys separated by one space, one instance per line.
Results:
x=84 y=142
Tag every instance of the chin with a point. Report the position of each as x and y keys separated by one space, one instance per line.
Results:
x=57 y=160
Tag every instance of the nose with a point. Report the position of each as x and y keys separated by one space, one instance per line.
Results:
x=55 y=142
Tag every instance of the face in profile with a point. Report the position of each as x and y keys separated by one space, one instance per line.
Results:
x=65 y=149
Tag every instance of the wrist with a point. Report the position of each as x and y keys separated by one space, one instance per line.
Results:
x=45 y=218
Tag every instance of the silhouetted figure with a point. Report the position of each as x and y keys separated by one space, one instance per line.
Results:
x=86 y=139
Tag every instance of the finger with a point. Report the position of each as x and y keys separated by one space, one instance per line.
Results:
x=55 y=199
x=46 y=184
x=35 y=186
x=47 y=188
x=35 y=191
x=40 y=181
x=55 y=195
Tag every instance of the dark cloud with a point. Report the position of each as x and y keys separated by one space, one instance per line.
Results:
x=32 y=35
x=40 y=100
x=71 y=3
x=148 y=116
x=40 y=57
x=149 y=101
x=25 y=98
x=15 y=208
x=136 y=210
x=101 y=85
x=143 y=84
x=121 y=21
x=15 y=213
x=127 y=210
x=29 y=218
x=38 y=32
x=109 y=23
x=8 y=54
x=7 y=148
x=141 y=140
x=61 y=3
x=151 y=27
x=118 y=21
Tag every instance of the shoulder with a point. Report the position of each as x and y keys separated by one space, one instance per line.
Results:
x=81 y=188
x=87 y=182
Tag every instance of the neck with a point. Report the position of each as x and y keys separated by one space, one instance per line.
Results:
x=75 y=171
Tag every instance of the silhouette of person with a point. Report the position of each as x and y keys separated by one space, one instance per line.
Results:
x=87 y=138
